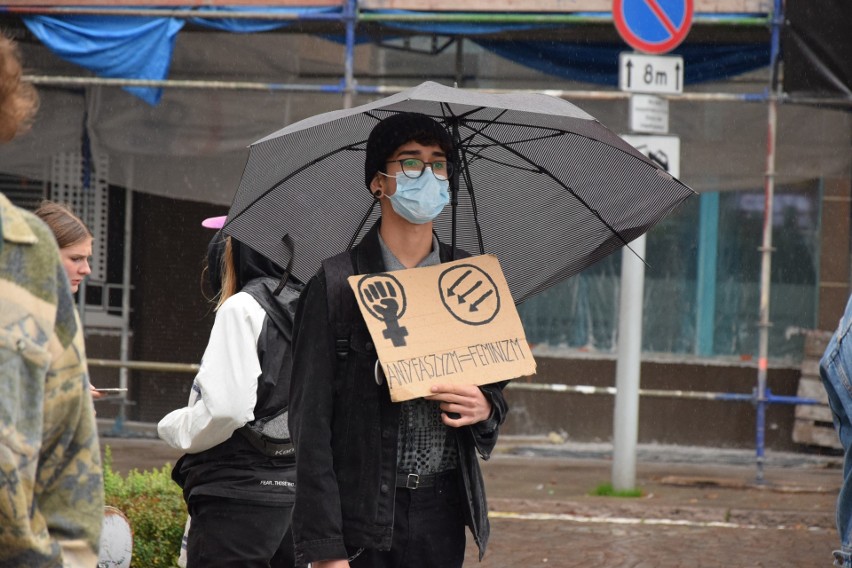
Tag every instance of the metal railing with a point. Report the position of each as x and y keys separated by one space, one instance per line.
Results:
x=556 y=388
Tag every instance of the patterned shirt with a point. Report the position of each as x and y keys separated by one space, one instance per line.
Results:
x=51 y=485
x=425 y=444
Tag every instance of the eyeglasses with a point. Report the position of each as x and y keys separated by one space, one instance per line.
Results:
x=413 y=168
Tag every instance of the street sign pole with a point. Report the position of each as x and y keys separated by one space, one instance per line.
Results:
x=652 y=28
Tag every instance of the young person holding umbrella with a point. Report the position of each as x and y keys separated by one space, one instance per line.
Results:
x=383 y=483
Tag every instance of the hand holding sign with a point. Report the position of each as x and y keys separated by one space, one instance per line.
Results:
x=461 y=405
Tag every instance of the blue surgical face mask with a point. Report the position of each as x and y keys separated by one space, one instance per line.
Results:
x=420 y=200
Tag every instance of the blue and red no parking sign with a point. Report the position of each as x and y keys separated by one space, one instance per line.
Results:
x=653 y=26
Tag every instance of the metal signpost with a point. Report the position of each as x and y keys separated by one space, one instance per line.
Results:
x=653 y=27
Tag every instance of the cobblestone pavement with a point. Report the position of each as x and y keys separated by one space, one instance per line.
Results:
x=566 y=544
x=699 y=508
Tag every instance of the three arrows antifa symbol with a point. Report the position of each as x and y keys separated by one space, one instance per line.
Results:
x=462 y=298
x=471 y=296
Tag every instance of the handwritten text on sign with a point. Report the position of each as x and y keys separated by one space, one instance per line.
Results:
x=450 y=323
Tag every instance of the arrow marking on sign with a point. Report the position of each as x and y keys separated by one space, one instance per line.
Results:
x=677 y=77
x=451 y=291
x=629 y=66
x=474 y=306
x=466 y=294
x=664 y=19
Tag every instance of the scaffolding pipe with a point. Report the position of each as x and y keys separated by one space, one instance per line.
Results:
x=568 y=94
x=766 y=246
x=126 y=269
x=458 y=79
x=158 y=366
x=545 y=19
x=350 y=17
x=663 y=393
x=761 y=396
x=178 y=13
x=145 y=365
x=378 y=16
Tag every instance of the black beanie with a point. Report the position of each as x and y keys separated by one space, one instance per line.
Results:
x=396 y=130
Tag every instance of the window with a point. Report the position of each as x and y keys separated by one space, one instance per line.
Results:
x=681 y=316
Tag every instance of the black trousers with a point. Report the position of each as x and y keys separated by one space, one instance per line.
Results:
x=428 y=530
x=231 y=533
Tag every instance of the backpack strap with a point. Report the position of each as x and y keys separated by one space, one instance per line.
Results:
x=341 y=300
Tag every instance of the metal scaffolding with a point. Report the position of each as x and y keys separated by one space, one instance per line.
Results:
x=350 y=17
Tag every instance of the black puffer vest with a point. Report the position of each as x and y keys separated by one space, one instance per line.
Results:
x=250 y=465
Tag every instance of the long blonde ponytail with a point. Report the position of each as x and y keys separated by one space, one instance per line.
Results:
x=229 y=274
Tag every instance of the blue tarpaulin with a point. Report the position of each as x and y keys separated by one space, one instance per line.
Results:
x=141 y=47
x=113 y=46
x=244 y=25
x=598 y=63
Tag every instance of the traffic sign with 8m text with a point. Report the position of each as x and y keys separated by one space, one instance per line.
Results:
x=661 y=74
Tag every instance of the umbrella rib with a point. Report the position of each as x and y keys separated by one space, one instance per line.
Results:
x=568 y=189
x=361 y=224
x=556 y=131
x=479 y=131
x=479 y=156
x=555 y=134
x=468 y=183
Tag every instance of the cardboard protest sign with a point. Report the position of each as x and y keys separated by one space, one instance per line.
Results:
x=451 y=323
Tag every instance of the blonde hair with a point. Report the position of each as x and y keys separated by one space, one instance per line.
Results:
x=18 y=99
x=229 y=274
x=66 y=226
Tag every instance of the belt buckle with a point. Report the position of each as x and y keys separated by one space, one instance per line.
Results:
x=412 y=481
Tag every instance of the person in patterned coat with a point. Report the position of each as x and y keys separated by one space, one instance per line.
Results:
x=51 y=483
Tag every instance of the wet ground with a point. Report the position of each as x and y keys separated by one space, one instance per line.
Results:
x=699 y=507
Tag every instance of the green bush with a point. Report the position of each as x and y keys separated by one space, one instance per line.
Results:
x=153 y=504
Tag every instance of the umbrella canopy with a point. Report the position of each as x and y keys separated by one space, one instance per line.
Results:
x=542 y=185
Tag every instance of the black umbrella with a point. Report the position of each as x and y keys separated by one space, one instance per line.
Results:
x=541 y=184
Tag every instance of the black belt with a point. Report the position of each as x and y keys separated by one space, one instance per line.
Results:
x=415 y=481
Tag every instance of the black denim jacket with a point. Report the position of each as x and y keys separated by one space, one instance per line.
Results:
x=345 y=427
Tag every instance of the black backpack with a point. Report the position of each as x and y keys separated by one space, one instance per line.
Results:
x=269 y=432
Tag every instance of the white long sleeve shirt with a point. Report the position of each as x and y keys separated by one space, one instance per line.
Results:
x=224 y=391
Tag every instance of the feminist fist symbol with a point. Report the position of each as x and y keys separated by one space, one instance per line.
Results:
x=380 y=297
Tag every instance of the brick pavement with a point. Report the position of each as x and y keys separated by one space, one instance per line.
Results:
x=527 y=543
x=691 y=514
x=708 y=513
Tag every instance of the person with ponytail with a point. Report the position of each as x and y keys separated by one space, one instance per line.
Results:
x=238 y=472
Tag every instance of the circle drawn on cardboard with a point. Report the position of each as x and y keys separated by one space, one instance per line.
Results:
x=379 y=292
x=469 y=294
